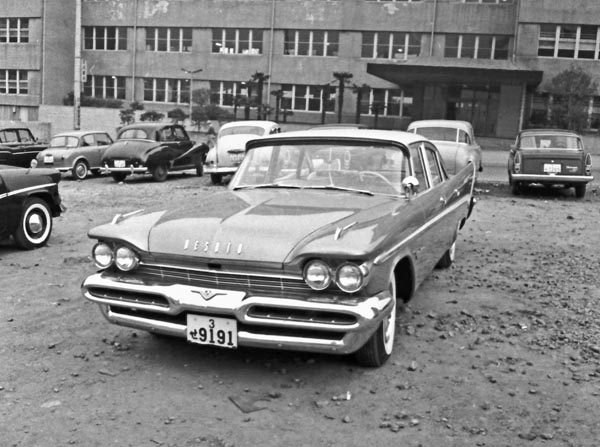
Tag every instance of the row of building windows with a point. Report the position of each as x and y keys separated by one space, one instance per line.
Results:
x=384 y=45
x=14 y=30
x=112 y=87
x=569 y=41
x=14 y=82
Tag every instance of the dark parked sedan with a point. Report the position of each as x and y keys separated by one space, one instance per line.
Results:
x=549 y=157
x=18 y=146
x=154 y=148
x=29 y=199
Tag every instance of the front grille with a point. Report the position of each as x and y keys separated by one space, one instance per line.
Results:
x=307 y=316
x=128 y=297
x=251 y=284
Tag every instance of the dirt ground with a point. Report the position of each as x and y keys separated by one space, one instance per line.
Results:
x=502 y=349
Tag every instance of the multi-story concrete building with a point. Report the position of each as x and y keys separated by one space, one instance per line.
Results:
x=485 y=61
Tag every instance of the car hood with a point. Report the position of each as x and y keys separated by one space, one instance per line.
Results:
x=264 y=226
x=129 y=148
x=16 y=178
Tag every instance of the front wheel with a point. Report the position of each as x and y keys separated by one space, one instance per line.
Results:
x=580 y=190
x=378 y=349
x=159 y=173
x=35 y=224
x=80 y=170
x=216 y=178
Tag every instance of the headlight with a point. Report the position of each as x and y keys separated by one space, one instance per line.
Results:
x=126 y=259
x=349 y=278
x=33 y=163
x=317 y=275
x=103 y=255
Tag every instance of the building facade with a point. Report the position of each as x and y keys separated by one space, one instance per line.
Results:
x=485 y=61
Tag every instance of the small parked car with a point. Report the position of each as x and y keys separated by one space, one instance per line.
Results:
x=454 y=139
x=318 y=238
x=154 y=148
x=29 y=199
x=18 y=146
x=225 y=157
x=77 y=152
x=549 y=157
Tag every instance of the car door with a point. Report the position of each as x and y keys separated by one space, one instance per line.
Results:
x=29 y=147
x=437 y=233
x=96 y=150
x=180 y=143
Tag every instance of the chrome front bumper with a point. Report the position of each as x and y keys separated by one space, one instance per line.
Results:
x=287 y=326
x=546 y=178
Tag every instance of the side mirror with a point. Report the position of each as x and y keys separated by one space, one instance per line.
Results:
x=410 y=185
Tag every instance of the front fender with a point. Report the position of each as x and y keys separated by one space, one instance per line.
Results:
x=198 y=150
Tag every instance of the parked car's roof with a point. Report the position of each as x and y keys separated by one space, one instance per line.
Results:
x=349 y=132
x=546 y=131
x=78 y=133
x=258 y=123
x=148 y=126
x=441 y=123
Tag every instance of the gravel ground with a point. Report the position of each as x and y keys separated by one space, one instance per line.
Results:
x=502 y=349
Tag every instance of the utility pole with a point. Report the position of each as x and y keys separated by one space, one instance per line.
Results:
x=77 y=68
x=191 y=73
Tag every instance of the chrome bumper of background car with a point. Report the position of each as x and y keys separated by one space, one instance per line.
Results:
x=324 y=326
x=545 y=178
x=210 y=169
x=129 y=169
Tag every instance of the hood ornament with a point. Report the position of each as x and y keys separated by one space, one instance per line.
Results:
x=208 y=294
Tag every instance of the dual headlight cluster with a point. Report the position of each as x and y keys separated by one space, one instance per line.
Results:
x=348 y=277
x=124 y=258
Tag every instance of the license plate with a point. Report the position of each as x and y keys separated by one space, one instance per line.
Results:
x=236 y=158
x=212 y=331
x=48 y=159
x=550 y=168
x=119 y=163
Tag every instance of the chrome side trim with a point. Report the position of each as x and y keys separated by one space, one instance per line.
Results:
x=22 y=190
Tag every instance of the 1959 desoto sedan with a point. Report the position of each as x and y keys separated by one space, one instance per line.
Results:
x=317 y=238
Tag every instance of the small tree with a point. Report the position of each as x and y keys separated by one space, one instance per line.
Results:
x=152 y=115
x=127 y=115
x=571 y=90
x=360 y=90
x=176 y=115
x=343 y=77
x=259 y=79
x=278 y=94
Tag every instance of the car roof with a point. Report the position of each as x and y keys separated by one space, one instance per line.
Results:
x=78 y=133
x=147 y=126
x=441 y=123
x=405 y=138
x=546 y=131
x=258 y=123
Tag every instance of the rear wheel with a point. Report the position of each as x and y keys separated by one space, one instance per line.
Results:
x=96 y=172
x=378 y=349
x=80 y=170
x=580 y=190
x=199 y=169
x=35 y=224
x=118 y=176
x=159 y=173
x=216 y=178
x=448 y=259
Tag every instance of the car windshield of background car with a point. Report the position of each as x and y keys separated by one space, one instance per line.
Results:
x=438 y=133
x=551 y=141
x=242 y=130
x=372 y=168
x=64 y=141
x=133 y=133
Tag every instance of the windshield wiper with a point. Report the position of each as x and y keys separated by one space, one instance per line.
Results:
x=341 y=188
x=266 y=185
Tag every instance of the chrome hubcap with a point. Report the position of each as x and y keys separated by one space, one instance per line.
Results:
x=35 y=223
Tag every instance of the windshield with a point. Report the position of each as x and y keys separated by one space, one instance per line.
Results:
x=242 y=130
x=63 y=141
x=360 y=167
x=549 y=141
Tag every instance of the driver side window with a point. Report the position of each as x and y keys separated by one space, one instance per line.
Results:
x=418 y=166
